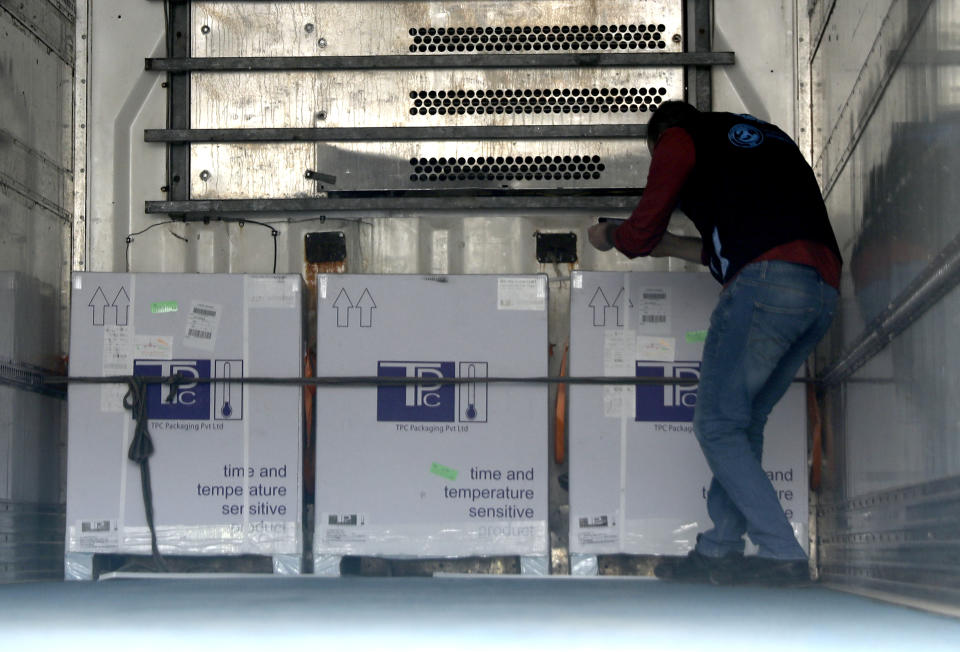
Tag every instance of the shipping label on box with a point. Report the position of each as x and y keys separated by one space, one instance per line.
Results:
x=429 y=468
x=226 y=471
x=638 y=480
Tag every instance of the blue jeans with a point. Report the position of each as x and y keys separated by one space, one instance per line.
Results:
x=767 y=322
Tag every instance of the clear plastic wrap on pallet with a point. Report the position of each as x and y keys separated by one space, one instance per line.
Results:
x=435 y=540
x=226 y=469
x=204 y=540
x=78 y=566
x=287 y=564
x=584 y=565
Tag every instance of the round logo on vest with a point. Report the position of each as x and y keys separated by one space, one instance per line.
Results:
x=744 y=135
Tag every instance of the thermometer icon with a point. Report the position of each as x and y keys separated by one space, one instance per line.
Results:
x=226 y=410
x=471 y=393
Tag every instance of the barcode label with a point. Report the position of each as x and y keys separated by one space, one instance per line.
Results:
x=94 y=526
x=344 y=519
x=655 y=310
x=202 y=325
x=594 y=521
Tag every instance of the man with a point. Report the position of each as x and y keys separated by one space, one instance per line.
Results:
x=766 y=237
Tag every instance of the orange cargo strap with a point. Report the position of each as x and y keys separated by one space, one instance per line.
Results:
x=309 y=399
x=560 y=420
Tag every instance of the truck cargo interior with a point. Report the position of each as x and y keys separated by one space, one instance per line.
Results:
x=304 y=342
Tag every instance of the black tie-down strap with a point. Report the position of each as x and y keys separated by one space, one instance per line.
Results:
x=141 y=448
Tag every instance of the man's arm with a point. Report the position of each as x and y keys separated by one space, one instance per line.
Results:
x=672 y=162
x=678 y=246
x=688 y=248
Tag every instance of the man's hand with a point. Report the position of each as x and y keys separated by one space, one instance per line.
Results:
x=601 y=235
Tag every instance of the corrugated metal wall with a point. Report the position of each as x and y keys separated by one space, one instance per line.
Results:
x=36 y=199
x=886 y=81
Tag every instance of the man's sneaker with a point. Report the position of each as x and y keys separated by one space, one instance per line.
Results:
x=694 y=567
x=763 y=571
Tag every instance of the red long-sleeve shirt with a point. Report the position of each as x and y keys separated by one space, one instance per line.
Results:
x=673 y=161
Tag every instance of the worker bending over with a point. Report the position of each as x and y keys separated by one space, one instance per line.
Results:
x=766 y=237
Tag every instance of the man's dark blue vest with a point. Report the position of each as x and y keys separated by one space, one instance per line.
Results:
x=751 y=190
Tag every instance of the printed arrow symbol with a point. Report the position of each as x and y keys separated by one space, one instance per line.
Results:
x=122 y=305
x=366 y=304
x=618 y=304
x=100 y=301
x=342 y=306
x=599 y=304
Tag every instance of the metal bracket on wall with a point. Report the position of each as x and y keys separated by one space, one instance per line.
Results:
x=325 y=247
x=463 y=202
x=698 y=78
x=343 y=134
x=556 y=247
x=178 y=103
x=320 y=178
x=438 y=62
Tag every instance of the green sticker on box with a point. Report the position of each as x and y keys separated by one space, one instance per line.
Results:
x=696 y=336
x=443 y=471
x=161 y=307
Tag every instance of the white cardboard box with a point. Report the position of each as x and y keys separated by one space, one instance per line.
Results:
x=432 y=470
x=226 y=472
x=638 y=479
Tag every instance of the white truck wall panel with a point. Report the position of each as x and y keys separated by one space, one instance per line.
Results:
x=30 y=460
x=227 y=467
x=28 y=329
x=29 y=449
x=638 y=479
x=29 y=422
x=427 y=469
x=35 y=147
x=900 y=413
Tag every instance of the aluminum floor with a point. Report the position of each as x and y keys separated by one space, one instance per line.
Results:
x=453 y=614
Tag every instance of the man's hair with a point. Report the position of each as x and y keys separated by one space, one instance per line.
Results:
x=670 y=114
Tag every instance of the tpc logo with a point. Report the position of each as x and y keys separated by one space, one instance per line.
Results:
x=667 y=402
x=426 y=401
x=191 y=400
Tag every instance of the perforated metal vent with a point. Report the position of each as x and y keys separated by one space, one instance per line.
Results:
x=536 y=100
x=507 y=168
x=538 y=38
